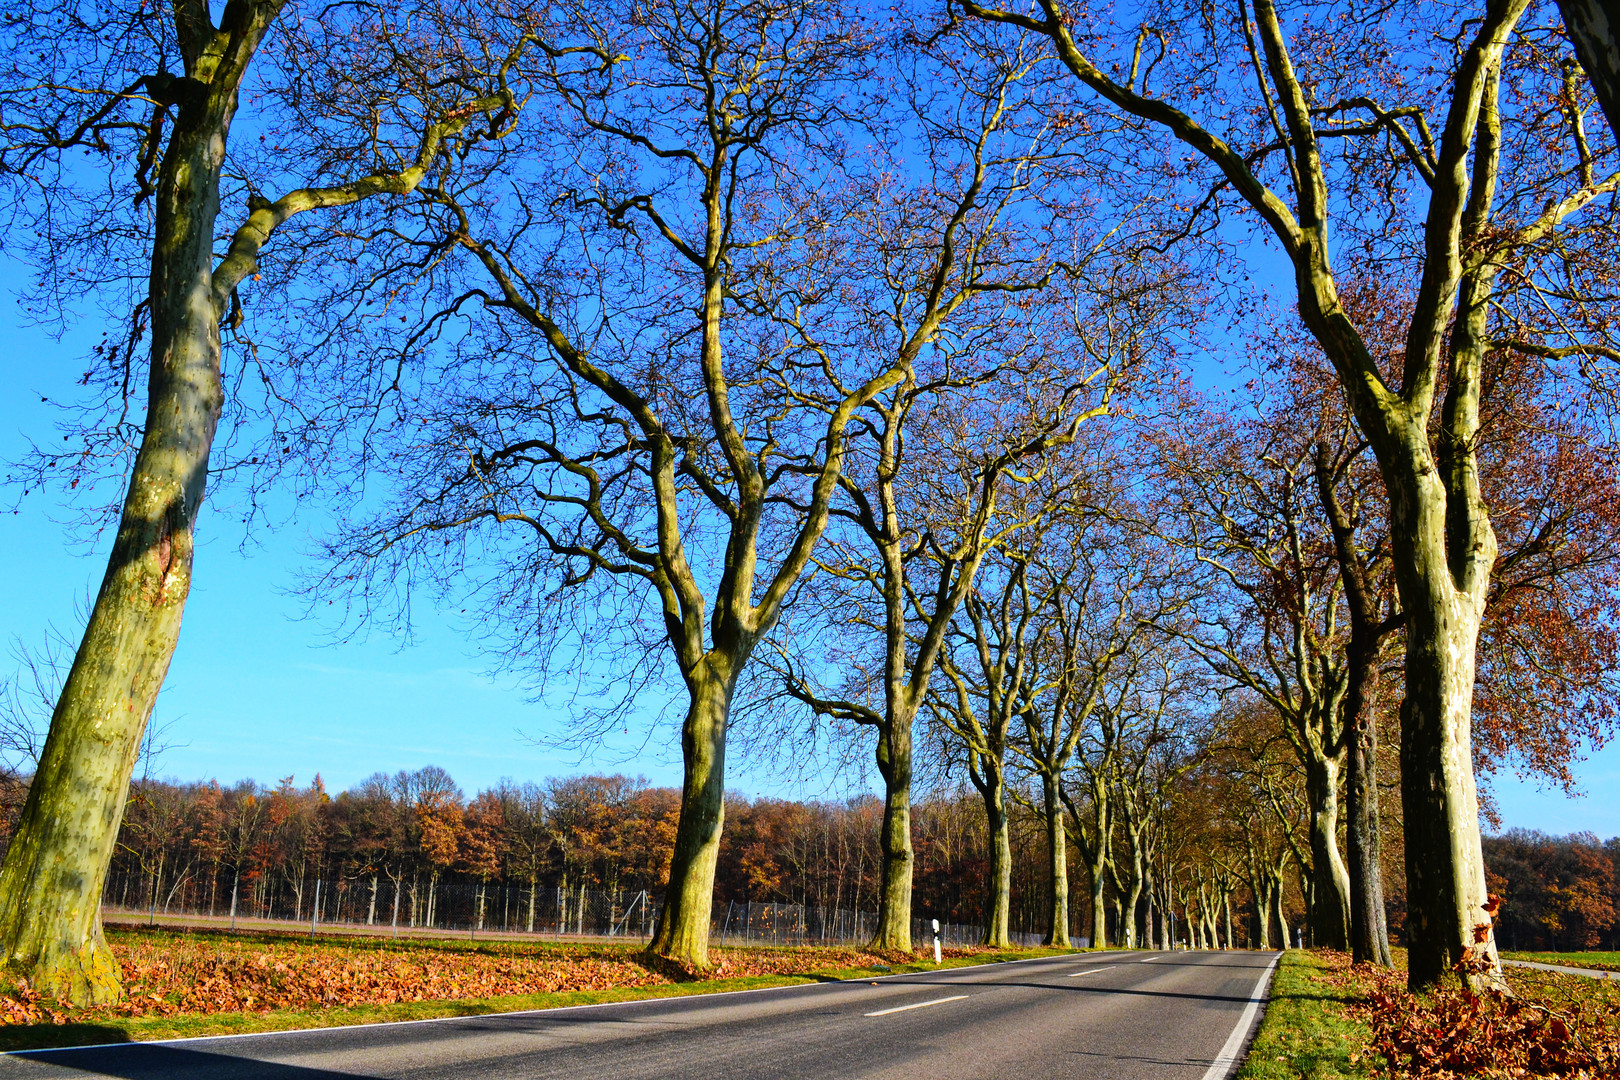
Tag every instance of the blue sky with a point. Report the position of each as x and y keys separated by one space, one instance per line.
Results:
x=258 y=691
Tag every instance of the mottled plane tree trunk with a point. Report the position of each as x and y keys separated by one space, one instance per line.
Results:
x=1370 y=627
x=986 y=693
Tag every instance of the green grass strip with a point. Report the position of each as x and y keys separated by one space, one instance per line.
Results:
x=1603 y=961
x=145 y=1028
x=1306 y=1035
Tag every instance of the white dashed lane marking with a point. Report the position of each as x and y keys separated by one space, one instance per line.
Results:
x=918 y=1005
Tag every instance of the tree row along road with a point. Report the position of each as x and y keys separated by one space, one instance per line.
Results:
x=1171 y=1016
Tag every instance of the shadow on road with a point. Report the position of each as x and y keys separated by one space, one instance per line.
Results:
x=141 y=1061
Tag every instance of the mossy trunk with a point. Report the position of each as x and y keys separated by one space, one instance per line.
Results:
x=1099 y=905
x=54 y=871
x=683 y=924
x=1330 y=880
x=1057 y=850
x=894 y=889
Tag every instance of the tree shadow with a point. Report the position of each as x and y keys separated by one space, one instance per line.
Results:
x=157 y=1061
x=25 y=1037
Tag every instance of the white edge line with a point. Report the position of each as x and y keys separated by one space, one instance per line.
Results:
x=917 y=1005
x=1226 y=1061
x=1090 y=971
x=520 y=1012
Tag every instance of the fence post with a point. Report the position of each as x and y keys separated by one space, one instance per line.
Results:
x=315 y=910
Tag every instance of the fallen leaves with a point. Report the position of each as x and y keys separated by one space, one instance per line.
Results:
x=208 y=973
x=1549 y=1026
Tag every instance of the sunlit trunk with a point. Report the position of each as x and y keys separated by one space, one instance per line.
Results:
x=1057 y=850
x=998 y=908
x=51 y=882
x=894 y=890
x=683 y=925
x=1330 y=881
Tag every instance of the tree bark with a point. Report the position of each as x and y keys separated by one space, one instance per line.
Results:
x=1330 y=881
x=1591 y=26
x=1444 y=864
x=998 y=886
x=894 y=890
x=1057 y=850
x=1369 y=931
x=683 y=925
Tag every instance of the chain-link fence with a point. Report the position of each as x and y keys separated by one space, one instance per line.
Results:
x=795 y=924
x=424 y=907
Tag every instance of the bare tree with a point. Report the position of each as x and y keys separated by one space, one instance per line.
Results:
x=1499 y=195
x=640 y=447
x=115 y=163
x=922 y=490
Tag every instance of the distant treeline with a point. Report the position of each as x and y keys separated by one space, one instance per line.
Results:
x=1558 y=892
x=198 y=846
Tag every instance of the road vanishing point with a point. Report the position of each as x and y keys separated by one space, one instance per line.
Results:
x=1109 y=1016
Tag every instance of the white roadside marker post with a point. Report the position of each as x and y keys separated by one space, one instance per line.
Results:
x=936 y=941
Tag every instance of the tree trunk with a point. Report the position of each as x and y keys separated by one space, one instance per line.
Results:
x=1446 y=887
x=1278 y=916
x=683 y=925
x=894 y=891
x=1369 y=931
x=52 y=878
x=1330 y=881
x=1057 y=848
x=1099 y=908
x=1128 y=907
x=999 y=885
x=1591 y=26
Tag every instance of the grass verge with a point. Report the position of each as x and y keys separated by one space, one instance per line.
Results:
x=114 y=1029
x=1306 y=1032
x=1603 y=961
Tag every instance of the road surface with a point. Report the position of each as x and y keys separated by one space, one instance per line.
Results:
x=1109 y=1016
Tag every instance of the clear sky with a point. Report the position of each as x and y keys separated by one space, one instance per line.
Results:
x=257 y=691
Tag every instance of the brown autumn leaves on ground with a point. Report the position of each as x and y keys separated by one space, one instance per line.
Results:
x=170 y=974
x=1549 y=1025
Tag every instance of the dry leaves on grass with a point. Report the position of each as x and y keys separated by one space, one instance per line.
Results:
x=1549 y=1026
x=200 y=974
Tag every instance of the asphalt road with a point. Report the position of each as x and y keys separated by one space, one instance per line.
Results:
x=1119 y=1016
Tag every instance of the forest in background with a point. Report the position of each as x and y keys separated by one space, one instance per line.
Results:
x=187 y=847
